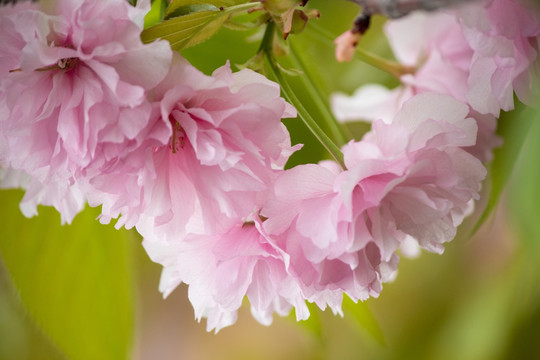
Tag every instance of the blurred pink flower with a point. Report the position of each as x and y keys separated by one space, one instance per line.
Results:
x=480 y=54
x=73 y=99
x=434 y=44
x=504 y=35
x=410 y=179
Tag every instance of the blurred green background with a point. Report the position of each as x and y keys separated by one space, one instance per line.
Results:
x=88 y=291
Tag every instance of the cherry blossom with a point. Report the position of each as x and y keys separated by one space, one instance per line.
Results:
x=443 y=60
x=408 y=179
x=504 y=35
x=73 y=95
x=222 y=269
x=216 y=144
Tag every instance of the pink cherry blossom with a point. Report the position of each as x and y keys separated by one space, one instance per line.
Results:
x=216 y=144
x=481 y=53
x=434 y=44
x=330 y=251
x=73 y=99
x=224 y=268
x=410 y=179
x=504 y=35
x=431 y=43
x=431 y=178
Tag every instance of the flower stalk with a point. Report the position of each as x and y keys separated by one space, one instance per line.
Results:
x=288 y=93
x=320 y=101
x=391 y=67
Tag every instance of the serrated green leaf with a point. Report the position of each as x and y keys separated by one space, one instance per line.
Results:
x=189 y=30
x=186 y=31
x=75 y=281
x=362 y=316
x=178 y=4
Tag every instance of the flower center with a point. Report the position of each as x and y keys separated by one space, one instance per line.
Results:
x=62 y=64
x=178 y=140
x=67 y=63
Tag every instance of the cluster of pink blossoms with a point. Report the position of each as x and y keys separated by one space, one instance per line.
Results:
x=72 y=96
x=88 y=113
x=479 y=53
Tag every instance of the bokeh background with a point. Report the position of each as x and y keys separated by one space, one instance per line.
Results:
x=88 y=291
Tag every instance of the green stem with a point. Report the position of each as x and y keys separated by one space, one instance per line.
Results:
x=312 y=125
x=320 y=100
x=288 y=93
x=242 y=7
x=391 y=67
x=268 y=37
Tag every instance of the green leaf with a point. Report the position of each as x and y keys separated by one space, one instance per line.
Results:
x=21 y=339
x=75 y=281
x=186 y=10
x=524 y=192
x=234 y=25
x=192 y=29
x=186 y=31
x=513 y=127
x=176 y=6
x=156 y=13
x=362 y=316
x=480 y=322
